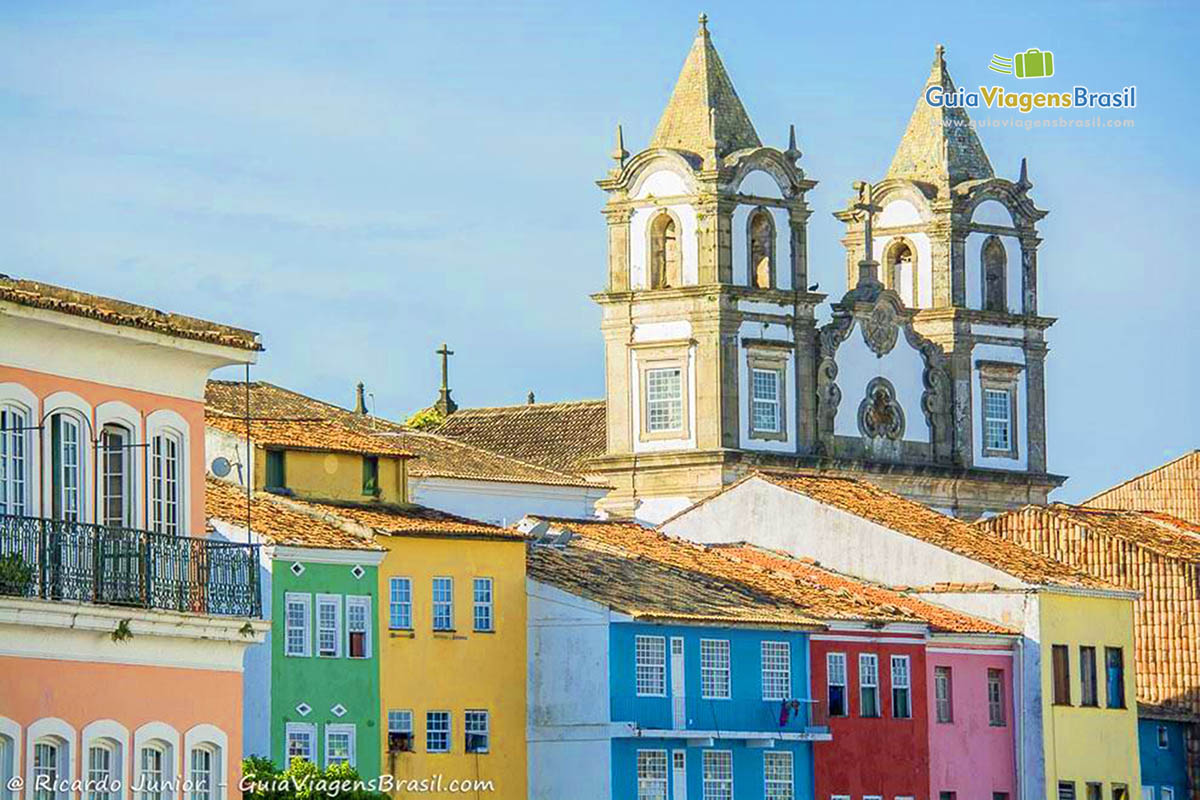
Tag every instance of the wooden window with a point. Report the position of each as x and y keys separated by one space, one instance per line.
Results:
x=298 y=624
x=484 y=616
x=478 y=734
x=358 y=627
x=340 y=744
x=276 y=471
x=400 y=604
x=100 y=772
x=1114 y=662
x=301 y=740
x=1120 y=791
x=66 y=467
x=943 y=694
x=778 y=776
x=995 y=695
x=652 y=774
x=650 y=667
x=717 y=775
x=776 y=671
x=370 y=476
x=166 y=482
x=329 y=626
x=1095 y=791
x=437 y=732
x=116 y=476
x=664 y=399
x=1088 y=694
x=714 y=669
x=835 y=678
x=901 y=688
x=400 y=730
x=443 y=604
x=202 y=774
x=1061 y=666
x=14 y=464
x=868 y=685
x=1066 y=790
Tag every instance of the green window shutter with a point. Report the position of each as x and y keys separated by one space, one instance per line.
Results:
x=276 y=475
x=370 y=476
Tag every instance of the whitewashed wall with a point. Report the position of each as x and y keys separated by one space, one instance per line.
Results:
x=639 y=244
x=858 y=365
x=924 y=271
x=783 y=246
x=503 y=502
x=1012 y=355
x=567 y=686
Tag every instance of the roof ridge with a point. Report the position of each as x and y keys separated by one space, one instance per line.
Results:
x=1145 y=474
x=519 y=406
x=505 y=457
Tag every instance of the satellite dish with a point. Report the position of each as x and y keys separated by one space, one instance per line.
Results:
x=220 y=466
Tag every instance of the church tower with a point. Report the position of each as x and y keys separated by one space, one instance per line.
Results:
x=957 y=246
x=707 y=321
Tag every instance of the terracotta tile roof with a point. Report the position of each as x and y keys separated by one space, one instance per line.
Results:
x=35 y=294
x=814 y=592
x=558 y=436
x=321 y=436
x=277 y=522
x=921 y=522
x=1173 y=488
x=410 y=520
x=435 y=456
x=1154 y=554
x=646 y=588
x=939 y=618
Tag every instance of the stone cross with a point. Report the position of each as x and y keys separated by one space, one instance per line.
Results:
x=445 y=353
x=868 y=267
x=445 y=405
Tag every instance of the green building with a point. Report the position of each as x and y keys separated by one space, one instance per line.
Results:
x=312 y=688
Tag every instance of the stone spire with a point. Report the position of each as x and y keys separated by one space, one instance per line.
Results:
x=704 y=114
x=940 y=146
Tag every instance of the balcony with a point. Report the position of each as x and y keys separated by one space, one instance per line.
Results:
x=82 y=563
x=748 y=718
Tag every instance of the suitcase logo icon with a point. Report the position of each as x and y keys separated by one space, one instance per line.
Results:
x=1033 y=63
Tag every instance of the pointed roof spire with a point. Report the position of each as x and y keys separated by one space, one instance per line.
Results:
x=793 y=153
x=704 y=113
x=1023 y=182
x=940 y=146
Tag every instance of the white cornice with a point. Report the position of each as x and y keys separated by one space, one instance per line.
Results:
x=320 y=555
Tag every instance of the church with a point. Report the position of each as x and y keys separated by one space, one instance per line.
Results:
x=928 y=380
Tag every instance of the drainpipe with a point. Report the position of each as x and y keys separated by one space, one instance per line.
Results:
x=1018 y=717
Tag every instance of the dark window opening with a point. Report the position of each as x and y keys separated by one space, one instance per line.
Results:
x=370 y=476
x=276 y=473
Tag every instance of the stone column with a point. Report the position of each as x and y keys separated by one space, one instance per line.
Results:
x=1035 y=404
x=618 y=247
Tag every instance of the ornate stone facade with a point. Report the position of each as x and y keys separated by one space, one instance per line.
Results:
x=719 y=367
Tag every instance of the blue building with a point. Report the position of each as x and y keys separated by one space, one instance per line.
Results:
x=1163 y=749
x=656 y=674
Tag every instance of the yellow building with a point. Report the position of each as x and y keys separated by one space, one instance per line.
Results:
x=1089 y=703
x=451 y=616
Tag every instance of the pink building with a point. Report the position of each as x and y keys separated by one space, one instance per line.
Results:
x=122 y=628
x=973 y=722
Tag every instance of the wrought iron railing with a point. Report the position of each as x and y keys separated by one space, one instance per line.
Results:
x=738 y=713
x=83 y=563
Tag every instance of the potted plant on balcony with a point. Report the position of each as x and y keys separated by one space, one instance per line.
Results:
x=16 y=577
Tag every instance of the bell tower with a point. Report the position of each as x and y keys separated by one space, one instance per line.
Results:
x=707 y=321
x=958 y=246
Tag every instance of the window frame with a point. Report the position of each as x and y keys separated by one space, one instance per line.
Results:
x=777 y=673
x=405 y=605
x=303 y=599
x=334 y=728
x=943 y=702
x=213 y=773
x=761 y=359
x=1114 y=700
x=773 y=785
x=1162 y=737
x=370 y=476
x=362 y=602
x=274 y=467
x=1000 y=377
x=654 y=673
x=709 y=786
x=333 y=601
x=830 y=659
x=126 y=482
x=865 y=659
x=60 y=448
x=443 y=606
x=1089 y=687
x=1060 y=674
x=718 y=675
x=308 y=729
x=905 y=686
x=485 y=732
x=486 y=606
x=109 y=775
x=997 y=713
x=649 y=785
x=396 y=728
x=448 y=731
x=16 y=461
x=670 y=431
x=167 y=479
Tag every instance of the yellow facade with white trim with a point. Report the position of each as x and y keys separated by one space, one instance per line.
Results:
x=1089 y=744
x=423 y=670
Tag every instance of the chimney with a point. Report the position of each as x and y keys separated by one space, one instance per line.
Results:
x=360 y=399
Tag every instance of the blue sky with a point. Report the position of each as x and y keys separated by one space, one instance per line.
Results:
x=359 y=181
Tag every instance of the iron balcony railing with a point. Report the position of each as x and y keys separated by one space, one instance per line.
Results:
x=84 y=563
x=737 y=713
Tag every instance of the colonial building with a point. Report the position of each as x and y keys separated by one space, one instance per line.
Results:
x=122 y=625
x=1076 y=724
x=928 y=380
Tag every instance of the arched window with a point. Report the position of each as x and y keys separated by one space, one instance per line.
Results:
x=166 y=482
x=995 y=278
x=666 y=267
x=203 y=773
x=154 y=771
x=14 y=460
x=49 y=768
x=8 y=757
x=900 y=273
x=102 y=771
x=116 y=476
x=67 y=438
x=762 y=249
